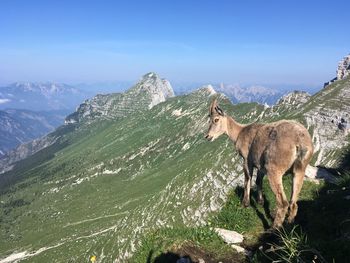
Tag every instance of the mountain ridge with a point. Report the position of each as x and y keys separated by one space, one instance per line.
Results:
x=145 y=94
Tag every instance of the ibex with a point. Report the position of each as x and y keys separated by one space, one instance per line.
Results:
x=273 y=149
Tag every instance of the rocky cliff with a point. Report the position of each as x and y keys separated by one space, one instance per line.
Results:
x=343 y=70
x=325 y=114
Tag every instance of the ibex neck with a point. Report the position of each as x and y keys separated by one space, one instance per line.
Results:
x=233 y=128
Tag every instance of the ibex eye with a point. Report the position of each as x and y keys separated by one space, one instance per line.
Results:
x=216 y=120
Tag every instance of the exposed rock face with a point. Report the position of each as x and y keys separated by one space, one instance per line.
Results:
x=343 y=70
x=148 y=92
x=289 y=103
x=323 y=115
x=296 y=98
x=159 y=89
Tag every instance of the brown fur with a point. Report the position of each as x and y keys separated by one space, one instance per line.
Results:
x=273 y=149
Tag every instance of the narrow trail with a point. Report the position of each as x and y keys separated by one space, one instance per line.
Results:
x=94 y=219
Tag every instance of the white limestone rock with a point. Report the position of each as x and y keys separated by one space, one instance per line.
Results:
x=229 y=236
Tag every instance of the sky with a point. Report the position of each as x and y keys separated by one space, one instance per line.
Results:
x=247 y=42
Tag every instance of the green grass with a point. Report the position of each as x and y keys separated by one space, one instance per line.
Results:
x=321 y=231
x=160 y=243
x=251 y=222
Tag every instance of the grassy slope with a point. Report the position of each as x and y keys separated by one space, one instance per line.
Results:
x=250 y=221
x=323 y=220
x=107 y=182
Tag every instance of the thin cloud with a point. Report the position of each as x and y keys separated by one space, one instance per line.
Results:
x=3 y=101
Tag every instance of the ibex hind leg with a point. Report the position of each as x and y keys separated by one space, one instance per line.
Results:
x=259 y=182
x=275 y=180
x=298 y=179
x=248 y=172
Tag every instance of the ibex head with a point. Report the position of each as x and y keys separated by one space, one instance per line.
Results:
x=218 y=121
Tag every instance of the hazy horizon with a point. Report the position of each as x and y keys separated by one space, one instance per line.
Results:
x=261 y=43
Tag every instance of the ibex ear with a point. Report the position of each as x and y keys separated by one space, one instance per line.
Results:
x=213 y=106
x=219 y=111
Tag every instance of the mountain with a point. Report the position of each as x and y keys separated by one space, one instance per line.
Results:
x=41 y=96
x=21 y=126
x=126 y=164
x=148 y=92
x=259 y=94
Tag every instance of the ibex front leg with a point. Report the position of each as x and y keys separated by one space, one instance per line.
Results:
x=248 y=172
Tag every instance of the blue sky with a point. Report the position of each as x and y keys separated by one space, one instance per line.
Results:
x=248 y=42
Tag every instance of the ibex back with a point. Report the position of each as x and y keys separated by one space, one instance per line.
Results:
x=273 y=149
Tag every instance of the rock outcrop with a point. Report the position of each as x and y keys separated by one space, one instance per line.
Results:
x=326 y=115
x=289 y=103
x=343 y=70
x=229 y=236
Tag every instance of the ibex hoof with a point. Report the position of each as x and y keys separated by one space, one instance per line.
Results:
x=246 y=203
x=290 y=220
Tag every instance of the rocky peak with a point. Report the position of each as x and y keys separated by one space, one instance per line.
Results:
x=343 y=70
x=148 y=92
x=158 y=89
x=207 y=90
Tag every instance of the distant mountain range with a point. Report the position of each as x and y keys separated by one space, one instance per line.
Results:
x=41 y=96
x=259 y=94
x=237 y=93
x=22 y=126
